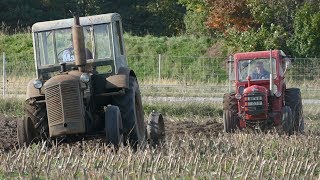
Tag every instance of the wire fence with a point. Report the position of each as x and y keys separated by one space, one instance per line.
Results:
x=160 y=73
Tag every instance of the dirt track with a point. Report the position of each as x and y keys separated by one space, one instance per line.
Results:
x=8 y=134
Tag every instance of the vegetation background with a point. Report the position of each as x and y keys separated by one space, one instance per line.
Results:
x=182 y=28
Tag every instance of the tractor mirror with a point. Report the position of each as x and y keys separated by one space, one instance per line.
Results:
x=287 y=64
x=245 y=64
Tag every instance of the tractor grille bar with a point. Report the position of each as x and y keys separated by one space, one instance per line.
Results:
x=255 y=103
x=65 y=109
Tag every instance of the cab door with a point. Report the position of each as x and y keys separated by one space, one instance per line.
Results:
x=120 y=58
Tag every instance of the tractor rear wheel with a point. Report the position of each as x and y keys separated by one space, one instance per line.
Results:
x=25 y=131
x=230 y=120
x=130 y=105
x=113 y=125
x=287 y=120
x=293 y=100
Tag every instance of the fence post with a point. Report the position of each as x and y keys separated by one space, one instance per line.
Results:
x=159 y=68
x=4 y=75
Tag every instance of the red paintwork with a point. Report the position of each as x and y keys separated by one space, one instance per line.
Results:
x=262 y=86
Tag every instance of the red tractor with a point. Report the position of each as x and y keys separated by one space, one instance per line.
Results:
x=258 y=97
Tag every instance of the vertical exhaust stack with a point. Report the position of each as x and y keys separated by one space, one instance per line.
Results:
x=78 y=44
x=271 y=74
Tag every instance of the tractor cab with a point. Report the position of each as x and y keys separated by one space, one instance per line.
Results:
x=103 y=45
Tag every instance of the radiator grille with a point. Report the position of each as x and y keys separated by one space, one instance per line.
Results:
x=54 y=105
x=255 y=103
x=65 y=108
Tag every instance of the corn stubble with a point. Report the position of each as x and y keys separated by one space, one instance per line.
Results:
x=236 y=156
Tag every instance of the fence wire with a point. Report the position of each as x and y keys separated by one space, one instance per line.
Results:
x=164 y=72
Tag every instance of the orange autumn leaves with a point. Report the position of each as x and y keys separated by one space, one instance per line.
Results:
x=224 y=15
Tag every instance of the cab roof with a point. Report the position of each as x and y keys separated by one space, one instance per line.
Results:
x=258 y=54
x=67 y=23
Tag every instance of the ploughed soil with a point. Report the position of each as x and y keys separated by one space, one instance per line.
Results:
x=209 y=128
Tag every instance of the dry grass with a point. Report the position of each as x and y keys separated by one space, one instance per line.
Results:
x=239 y=156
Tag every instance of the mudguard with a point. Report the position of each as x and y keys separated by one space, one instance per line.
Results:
x=32 y=92
x=120 y=80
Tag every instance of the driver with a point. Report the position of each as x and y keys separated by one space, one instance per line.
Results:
x=260 y=72
x=68 y=53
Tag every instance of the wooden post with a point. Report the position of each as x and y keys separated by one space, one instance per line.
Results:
x=4 y=75
x=159 y=64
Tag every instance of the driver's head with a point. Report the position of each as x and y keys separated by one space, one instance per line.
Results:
x=259 y=67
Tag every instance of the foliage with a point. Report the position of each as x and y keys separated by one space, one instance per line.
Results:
x=306 y=37
x=19 y=52
x=139 y=17
x=230 y=14
x=261 y=39
x=195 y=18
x=179 y=55
x=280 y=12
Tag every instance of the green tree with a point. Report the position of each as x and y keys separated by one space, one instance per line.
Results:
x=278 y=12
x=305 y=41
x=261 y=39
x=195 y=19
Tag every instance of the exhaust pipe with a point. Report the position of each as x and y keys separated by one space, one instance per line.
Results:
x=271 y=74
x=78 y=44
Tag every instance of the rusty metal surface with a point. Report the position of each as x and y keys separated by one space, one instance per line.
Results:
x=67 y=23
x=78 y=45
x=116 y=81
x=32 y=91
x=64 y=106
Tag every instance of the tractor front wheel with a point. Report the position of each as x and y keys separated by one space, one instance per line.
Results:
x=293 y=100
x=25 y=131
x=287 y=120
x=230 y=120
x=113 y=126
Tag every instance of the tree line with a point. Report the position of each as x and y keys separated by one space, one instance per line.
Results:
x=244 y=25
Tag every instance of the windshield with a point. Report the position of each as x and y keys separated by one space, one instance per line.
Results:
x=55 y=46
x=257 y=69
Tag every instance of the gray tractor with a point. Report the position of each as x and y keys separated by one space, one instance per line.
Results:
x=83 y=85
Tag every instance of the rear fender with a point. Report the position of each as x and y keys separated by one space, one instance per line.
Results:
x=120 y=80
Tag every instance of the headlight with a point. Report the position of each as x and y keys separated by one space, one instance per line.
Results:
x=37 y=84
x=85 y=78
x=278 y=94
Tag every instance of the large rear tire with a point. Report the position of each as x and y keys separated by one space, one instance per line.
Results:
x=131 y=109
x=293 y=100
x=287 y=120
x=230 y=120
x=113 y=126
x=25 y=131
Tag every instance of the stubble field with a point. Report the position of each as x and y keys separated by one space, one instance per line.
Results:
x=195 y=147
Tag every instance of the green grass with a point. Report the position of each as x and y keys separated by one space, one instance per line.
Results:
x=184 y=110
x=14 y=107
x=11 y=107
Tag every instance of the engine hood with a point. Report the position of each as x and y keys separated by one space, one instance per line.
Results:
x=64 y=78
x=256 y=88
